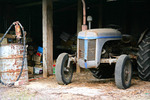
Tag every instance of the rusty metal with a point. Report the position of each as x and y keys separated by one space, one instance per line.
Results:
x=84 y=26
x=84 y=12
x=133 y=56
x=17 y=30
x=81 y=49
x=109 y=60
x=11 y=57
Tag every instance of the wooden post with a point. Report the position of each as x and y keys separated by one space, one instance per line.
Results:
x=47 y=37
x=50 y=36
x=79 y=26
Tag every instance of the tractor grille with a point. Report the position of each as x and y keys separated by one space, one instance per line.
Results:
x=81 y=49
x=91 y=49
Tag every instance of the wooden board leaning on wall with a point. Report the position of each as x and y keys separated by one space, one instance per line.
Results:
x=8 y=36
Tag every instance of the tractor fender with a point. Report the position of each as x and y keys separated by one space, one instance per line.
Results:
x=100 y=44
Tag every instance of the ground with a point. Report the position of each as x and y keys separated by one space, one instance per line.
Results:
x=83 y=87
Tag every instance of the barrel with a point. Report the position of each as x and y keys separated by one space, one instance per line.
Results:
x=11 y=57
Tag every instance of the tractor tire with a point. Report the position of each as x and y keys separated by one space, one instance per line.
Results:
x=143 y=58
x=96 y=73
x=103 y=71
x=123 y=72
x=62 y=72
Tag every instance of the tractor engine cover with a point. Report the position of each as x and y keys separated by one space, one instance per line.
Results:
x=90 y=44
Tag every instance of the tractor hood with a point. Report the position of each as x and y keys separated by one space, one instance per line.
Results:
x=99 y=33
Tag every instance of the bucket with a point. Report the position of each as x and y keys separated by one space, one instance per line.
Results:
x=11 y=57
x=40 y=49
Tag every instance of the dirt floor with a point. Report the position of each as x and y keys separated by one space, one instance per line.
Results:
x=83 y=87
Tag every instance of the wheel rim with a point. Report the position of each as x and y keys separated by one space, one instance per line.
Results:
x=66 y=71
x=127 y=72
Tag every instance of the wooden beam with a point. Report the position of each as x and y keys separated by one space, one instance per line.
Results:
x=79 y=18
x=44 y=11
x=79 y=26
x=50 y=36
x=47 y=37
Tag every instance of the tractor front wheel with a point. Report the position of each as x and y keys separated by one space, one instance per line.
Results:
x=123 y=72
x=63 y=72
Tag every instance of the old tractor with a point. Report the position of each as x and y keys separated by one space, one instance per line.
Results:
x=106 y=46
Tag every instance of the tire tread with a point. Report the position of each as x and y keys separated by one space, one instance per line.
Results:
x=143 y=59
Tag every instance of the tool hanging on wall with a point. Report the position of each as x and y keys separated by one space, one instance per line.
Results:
x=18 y=29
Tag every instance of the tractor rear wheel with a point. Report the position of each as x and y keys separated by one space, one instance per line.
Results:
x=143 y=58
x=63 y=73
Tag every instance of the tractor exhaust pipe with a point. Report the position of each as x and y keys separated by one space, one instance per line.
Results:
x=84 y=26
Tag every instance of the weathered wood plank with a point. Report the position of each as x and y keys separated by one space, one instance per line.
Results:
x=44 y=19
x=8 y=36
x=50 y=36
x=47 y=37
